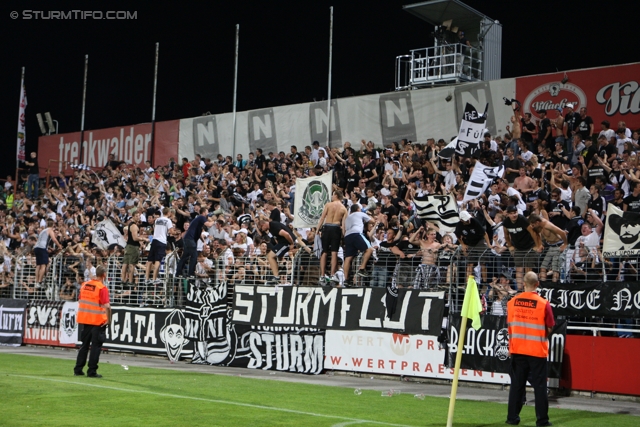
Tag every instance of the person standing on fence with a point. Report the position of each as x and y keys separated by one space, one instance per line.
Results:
x=555 y=241
x=530 y=320
x=521 y=238
x=282 y=239
x=40 y=250
x=94 y=314
x=33 y=180
x=330 y=225
x=473 y=238
x=158 y=249
x=354 y=242
x=132 y=251
x=190 y=242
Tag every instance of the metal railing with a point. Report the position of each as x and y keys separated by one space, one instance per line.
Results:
x=438 y=64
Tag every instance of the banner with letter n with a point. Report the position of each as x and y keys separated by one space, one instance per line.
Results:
x=487 y=349
x=622 y=233
x=312 y=194
x=480 y=180
x=107 y=234
x=471 y=131
x=439 y=210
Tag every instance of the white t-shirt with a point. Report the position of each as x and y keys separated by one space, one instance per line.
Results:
x=355 y=223
x=161 y=229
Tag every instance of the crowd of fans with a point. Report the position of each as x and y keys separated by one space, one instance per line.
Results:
x=560 y=175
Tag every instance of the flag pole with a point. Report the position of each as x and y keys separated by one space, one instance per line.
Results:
x=471 y=308
x=153 y=108
x=15 y=188
x=330 y=63
x=84 y=103
x=456 y=371
x=235 y=89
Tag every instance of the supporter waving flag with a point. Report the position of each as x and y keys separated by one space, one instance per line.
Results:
x=471 y=131
x=481 y=178
x=439 y=210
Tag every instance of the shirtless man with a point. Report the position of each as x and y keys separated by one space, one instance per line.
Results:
x=523 y=183
x=330 y=224
x=428 y=268
x=516 y=128
x=554 y=240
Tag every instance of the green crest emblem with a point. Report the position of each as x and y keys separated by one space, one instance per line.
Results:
x=315 y=196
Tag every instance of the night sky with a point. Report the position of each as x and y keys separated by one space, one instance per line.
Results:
x=283 y=59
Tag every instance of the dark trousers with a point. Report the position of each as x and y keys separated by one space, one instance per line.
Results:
x=535 y=370
x=189 y=252
x=91 y=336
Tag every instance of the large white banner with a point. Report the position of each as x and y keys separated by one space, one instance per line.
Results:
x=107 y=234
x=68 y=323
x=382 y=118
x=395 y=354
x=312 y=194
x=621 y=234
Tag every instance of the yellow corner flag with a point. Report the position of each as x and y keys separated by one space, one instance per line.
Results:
x=472 y=306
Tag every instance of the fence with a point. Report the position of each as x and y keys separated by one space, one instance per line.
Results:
x=498 y=274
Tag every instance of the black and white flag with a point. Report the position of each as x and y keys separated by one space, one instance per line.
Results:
x=449 y=150
x=471 y=131
x=439 y=210
x=107 y=234
x=621 y=235
x=481 y=178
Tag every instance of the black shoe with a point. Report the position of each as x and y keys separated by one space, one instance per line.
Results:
x=95 y=376
x=348 y=284
x=548 y=423
x=363 y=273
x=273 y=281
x=513 y=423
x=78 y=374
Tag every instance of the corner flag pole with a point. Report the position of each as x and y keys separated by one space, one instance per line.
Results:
x=471 y=308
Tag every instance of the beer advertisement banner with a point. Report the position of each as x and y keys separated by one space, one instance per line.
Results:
x=68 y=333
x=396 y=354
x=43 y=323
x=487 y=348
x=217 y=341
x=614 y=299
x=417 y=312
x=608 y=93
x=12 y=321
x=147 y=330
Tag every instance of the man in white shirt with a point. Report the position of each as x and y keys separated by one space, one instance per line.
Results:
x=158 y=249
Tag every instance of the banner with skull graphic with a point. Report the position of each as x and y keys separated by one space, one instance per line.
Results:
x=487 y=349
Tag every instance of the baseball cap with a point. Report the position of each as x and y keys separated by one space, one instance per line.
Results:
x=465 y=216
x=512 y=208
x=559 y=109
x=569 y=105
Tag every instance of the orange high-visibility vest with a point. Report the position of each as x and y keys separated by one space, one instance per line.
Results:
x=527 y=330
x=90 y=312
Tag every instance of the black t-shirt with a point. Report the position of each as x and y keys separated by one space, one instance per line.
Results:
x=512 y=164
x=633 y=203
x=408 y=249
x=595 y=172
x=571 y=120
x=584 y=127
x=275 y=228
x=525 y=135
x=574 y=229
x=389 y=211
x=518 y=232
x=367 y=170
x=470 y=234
x=385 y=256
x=596 y=204
x=560 y=220
x=544 y=125
x=352 y=182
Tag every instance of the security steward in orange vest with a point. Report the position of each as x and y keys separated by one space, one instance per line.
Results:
x=94 y=314
x=530 y=320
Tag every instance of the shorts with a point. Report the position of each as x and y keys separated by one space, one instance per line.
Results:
x=42 y=256
x=131 y=255
x=157 y=251
x=280 y=249
x=527 y=258
x=551 y=260
x=331 y=236
x=354 y=243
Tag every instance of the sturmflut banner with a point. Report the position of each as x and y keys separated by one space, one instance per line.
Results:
x=338 y=308
x=621 y=233
x=312 y=194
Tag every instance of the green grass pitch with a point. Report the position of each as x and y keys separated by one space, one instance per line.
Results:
x=41 y=391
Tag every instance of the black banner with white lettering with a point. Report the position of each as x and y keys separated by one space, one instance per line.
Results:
x=217 y=341
x=487 y=349
x=146 y=330
x=606 y=299
x=43 y=322
x=12 y=321
x=417 y=312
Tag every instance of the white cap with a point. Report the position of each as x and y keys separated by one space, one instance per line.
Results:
x=569 y=105
x=465 y=216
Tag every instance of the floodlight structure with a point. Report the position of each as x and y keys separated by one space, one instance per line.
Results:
x=450 y=60
x=43 y=131
x=50 y=121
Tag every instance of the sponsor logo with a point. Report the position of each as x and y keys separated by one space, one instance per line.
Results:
x=501 y=349
x=620 y=98
x=527 y=303
x=400 y=344
x=552 y=95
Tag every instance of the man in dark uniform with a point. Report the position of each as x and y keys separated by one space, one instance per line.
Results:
x=473 y=238
x=94 y=314
x=521 y=238
x=530 y=320
x=190 y=241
